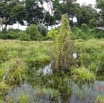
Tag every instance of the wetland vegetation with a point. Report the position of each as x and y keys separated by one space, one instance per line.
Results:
x=46 y=71
x=61 y=65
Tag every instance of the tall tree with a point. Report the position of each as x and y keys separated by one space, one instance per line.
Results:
x=65 y=6
x=86 y=14
x=19 y=13
x=100 y=5
x=11 y=11
x=34 y=13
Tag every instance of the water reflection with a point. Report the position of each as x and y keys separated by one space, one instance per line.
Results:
x=86 y=93
x=77 y=94
x=47 y=70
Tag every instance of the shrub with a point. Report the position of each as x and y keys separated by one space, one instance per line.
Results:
x=15 y=71
x=37 y=56
x=24 y=98
x=90 y=54
x=82 y=75
x=9 y=34
x=82 y=33
x=85 y=28
x=3 y=88
x=100 y=99
x=42 y=29
x=3 y=54
x=99 y=33
x=78 y=33
x=23 y=36
x=53 y=34
x=33 y=31
x=42 y=60
x=63 y=47
x=93 y=67
x=1 y=74
x=101 y=63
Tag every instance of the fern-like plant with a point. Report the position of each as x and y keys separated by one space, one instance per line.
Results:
x=63 y=47
x=15 y=71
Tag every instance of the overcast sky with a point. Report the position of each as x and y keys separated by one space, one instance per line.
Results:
x=87 y=1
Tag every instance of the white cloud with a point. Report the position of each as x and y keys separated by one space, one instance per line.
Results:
x=93 y=2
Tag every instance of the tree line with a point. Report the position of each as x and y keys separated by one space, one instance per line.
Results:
x=33 y=12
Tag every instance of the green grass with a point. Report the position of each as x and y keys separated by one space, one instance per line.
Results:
x=38 y=54
x=17 y=56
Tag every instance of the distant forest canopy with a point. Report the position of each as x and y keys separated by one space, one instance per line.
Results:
x=33 y=12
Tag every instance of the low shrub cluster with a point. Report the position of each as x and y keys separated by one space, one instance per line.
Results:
x=40 y=32
x=86 y=32
x=82 y=75
x=14 y=71
x=3 y=89
x=32 y=32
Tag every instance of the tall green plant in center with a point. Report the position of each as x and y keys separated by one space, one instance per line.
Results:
x=63 y=47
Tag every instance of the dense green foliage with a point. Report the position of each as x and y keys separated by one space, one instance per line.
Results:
x=32 y=32
x=82 y=75
x=86 y=32
x=14 y=71
x=100 y=5
x=33 y=11
x=88 y=20
x=3 y=89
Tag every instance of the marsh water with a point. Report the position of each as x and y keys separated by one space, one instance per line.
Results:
x=84 y=94
x=70 y=93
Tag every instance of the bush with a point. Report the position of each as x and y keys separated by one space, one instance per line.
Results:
x=100 y=99
x=63 y=47
x=1 y=74
x=15 y=71
x=3 y=88
x=37 y=56
x=33 y=31
x=85 y=28
x=90 y=54
x=23 y=36
x=9 y=34
x=3 y=54
x=79 y=34
x=53 y=34
x=82 y=75
x=101 y=63
x=99 y=33
x=42 y=29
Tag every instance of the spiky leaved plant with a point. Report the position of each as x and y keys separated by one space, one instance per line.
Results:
x=63 y=47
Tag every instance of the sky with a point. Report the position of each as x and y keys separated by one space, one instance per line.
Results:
x=87 y=2
x=15 y=26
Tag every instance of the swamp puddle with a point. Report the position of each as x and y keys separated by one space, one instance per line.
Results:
x=47 y=70
x=85 y=94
